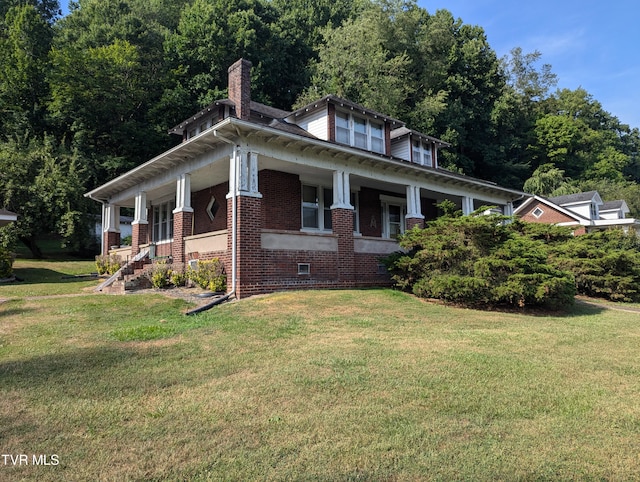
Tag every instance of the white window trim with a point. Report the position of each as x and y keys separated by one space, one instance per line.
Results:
x=423 y=148
x=156 y=227
x=537 y=216
x=323 y=204
x=368 y=123
x=387 y=201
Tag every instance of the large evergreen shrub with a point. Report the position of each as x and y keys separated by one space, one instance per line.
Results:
x=606 y=264
x=479 y=259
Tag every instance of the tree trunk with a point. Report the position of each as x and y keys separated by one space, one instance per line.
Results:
x=30 y=243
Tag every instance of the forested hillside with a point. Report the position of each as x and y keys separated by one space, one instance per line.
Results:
x=88 y=96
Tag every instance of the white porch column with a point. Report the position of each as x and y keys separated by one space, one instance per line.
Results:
x=140 y=210
x=414 y=208
x=467 y=205
x=111 y=218
x=243 y=174
x=508 y=209
x=341 y=190
x=183 y=194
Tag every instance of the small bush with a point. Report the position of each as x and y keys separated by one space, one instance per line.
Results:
x=209 y=275
x=6 y=263
x=159 y=275
x=178 y=278
x=108 y=264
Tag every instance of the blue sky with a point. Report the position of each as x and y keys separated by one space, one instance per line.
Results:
x=590 y=44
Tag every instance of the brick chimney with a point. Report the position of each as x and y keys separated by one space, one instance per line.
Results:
x=240 y=87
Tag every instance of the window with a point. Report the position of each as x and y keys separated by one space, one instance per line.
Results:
x=359 y=132
x=304 y=268
x=316 y=207
x=393 y=217
x=356 y=212
x=163 y=221
x=537 y=212
x=422 y=153
x=343 y=134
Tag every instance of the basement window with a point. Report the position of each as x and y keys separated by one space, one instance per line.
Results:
x=537 y=212
x=304 y=268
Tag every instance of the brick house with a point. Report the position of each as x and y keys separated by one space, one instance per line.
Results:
x=585 y=210
x=304 y=199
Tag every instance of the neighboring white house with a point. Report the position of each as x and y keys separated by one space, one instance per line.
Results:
x=7 y=217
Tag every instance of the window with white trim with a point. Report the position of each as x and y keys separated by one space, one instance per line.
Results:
x=163 y=221
x=394 y=212
x=359 y=132
x=356 y=211
x=422 y=153
x=316 y=207
x=537 y=212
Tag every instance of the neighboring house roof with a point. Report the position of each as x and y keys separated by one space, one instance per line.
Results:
x=619 y=205
x=548 y=202
x=577 y=198
x=7 y=217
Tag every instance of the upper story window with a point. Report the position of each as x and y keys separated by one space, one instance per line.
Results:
x=199 y=129
x=359 y=132
x=422 y=153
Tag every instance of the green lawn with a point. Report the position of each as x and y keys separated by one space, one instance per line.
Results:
x=319 y=385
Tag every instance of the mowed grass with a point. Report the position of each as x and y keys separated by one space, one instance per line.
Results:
x=317 y=385
x=44 y=277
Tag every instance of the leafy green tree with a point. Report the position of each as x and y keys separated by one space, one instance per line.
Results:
x=368 y=73
x=99 y=94
x=25 y=40
x=548 y=180
x=43 y=184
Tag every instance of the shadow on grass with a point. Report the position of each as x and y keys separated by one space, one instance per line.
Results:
x=98 y=373
x=29 y=276
x=13 y=311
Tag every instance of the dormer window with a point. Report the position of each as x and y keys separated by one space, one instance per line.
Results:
x=359 y=132
x=422 y=153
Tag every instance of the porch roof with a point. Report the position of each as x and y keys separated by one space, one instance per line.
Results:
x=231 y=129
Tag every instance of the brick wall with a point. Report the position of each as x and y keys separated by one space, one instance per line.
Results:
x=139 y=235
x=370 y=212
x=182 y=225
x=549 y=216
x=411 y=222
x=342 y=221
x=200 y=200
x=281 y=200
x=111 y=238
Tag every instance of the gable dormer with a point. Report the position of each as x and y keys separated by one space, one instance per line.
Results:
x=344 y=122
x=416 y=147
